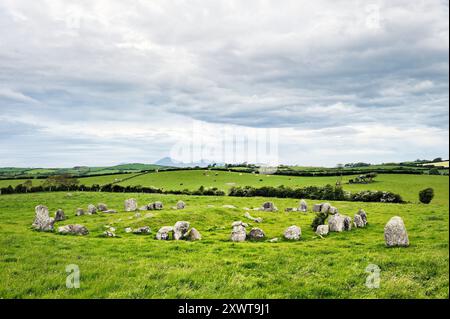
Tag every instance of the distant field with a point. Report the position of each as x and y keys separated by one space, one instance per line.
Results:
x=439 y=164
x=32 y=264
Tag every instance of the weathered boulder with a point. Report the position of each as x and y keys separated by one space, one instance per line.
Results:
x=128 y=230
x=347 y=223
x=303 y=207
x=59 y=215
x=358 y=221
x=102 y=207
x=238 y=233
x=109 y=233
x=269 y=207
x=293 y=233
x=164 y=233
x=130 y=205
x=333 y=210
x=193 y=234
x=79 y=212
x=325 y=208
x=73 y=230
x=317 y=208
x=91 y=209
x=256 y=234
x=42 y=219
x=255 y=219
x=363 y=215
x=143 y=208
x=395 y=233
x=336 y=223
x=180 y=229
x=180 y=205
x=157 y=205
x=322 y=230
x=144 y=230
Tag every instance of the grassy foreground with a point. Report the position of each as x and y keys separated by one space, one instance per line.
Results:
x=32 y=264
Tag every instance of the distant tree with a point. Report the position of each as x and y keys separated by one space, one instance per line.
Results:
x=434 y=171
x=27 y=185
x=426 y=195
x=437 y=159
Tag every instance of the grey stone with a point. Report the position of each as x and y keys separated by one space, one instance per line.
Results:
x=110 y=211
x=143 y=208
x=79 y=212
x=395 y=233
x=128 y=230
x=42 y=219
x=256 y=234
x=192 y=235
x=73 y=230
x=269 y=207
x=238 y=233
x=91 y=209
x=322 y=230
x=303 y=207
x=293 y=233
x=158 y=205
x=102 y=207
x=358 y=221
x=108 y=233
x=363 y=215
x=59 y=215
x=180 y=229
x=130 y=205
x=180 y=205
x=333 y=210
x=144 y=230
x=164 y=233
x=347 y=223
x=325 y=208
x=336 y=223
x=255 y=219
x=317 y=208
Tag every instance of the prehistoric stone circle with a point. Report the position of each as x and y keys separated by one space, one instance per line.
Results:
x=303 y=207
x=269 y=207
x=73 y=230
x=79 y=212
x=42 y=219
x=164 y=233
x=193 y=234
x=238 y=233
x=256 y=234
x=102 y=207
x=130 y=205
x=336 y=223
x=180 y=229
x=59 y=215
x=293 y=233
x=395 y=233
x=322 y=230
x=144 y=230
x=91 y=209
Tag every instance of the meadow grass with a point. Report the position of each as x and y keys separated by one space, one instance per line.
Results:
x=32 y=264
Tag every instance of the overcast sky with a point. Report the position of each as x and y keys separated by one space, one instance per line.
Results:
x=108 y=82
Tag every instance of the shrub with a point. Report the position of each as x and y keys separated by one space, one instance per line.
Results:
x=426 y=195
x=319 y=220
x=434 y=171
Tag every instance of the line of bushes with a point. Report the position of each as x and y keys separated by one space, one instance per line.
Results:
x=327 y=192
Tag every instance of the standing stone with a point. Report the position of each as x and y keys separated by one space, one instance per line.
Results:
x=157 y=205
x=256 y=234
x=130 y=205
x=91 y=209
x=180 y=229
x=363 y=215
x=347 y=223
x=59 y=215
x=164 y=233
x=102 y=207
x=333 y=210
x=144 y=230
x=192 y=235
x=322 y=230
x=303 y=207
x=336 y=223
x=128 y=230
x=42 y=219
x=325 y=208
x=143 y=208
x=317 y=208
x=73 y=230
x=358 y=221
x=180 y=205
x=395 y=233
x=293 y=233
x=269 y=207
x=79 y=212
x=238 y=233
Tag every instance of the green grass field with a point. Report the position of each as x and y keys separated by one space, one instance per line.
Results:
x=32 y=264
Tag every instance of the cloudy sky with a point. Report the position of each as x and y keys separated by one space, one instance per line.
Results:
x=107 y=82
